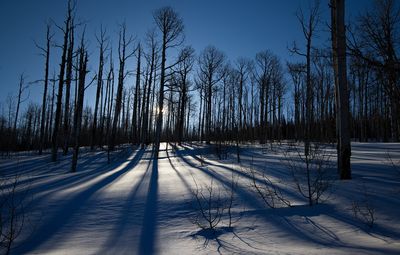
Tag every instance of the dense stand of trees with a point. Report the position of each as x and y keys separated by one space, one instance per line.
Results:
x=171 y=93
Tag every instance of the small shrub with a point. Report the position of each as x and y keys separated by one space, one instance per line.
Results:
x=313 y=174
x=13 y=213
x=267 y=190
x=211 y=204
x=363 y=209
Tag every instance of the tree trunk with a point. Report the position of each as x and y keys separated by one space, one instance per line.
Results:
x=101 y=41
x=78 y=108
x=54 y=144
x=46 y=82
x=68 y=89
x=342 y=97
x=135 y=130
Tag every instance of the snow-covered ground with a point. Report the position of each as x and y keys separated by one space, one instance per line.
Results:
x=140 y=205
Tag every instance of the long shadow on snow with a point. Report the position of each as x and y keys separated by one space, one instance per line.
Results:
x=191 y=151
x=65 y=180
x=279 y=217
x=61 y=216
x=123 y=216
x=261 y=181
x=186 y=183
x=149 y=226
x=40 y=167
x=209 y=235
x=329 y=238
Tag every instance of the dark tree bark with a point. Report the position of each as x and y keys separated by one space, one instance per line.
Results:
x=83 y=59
x=308 y=25
x=136 y=100
x=49 y=132
x=342 y=93
x=66 y=30
x=101 y=40
x=123 y=56
x=171 y=27
x=46 y=53
x=184 y=68
x=151 y=59
x=68 y=81
x=21 y=88
x=211 y=63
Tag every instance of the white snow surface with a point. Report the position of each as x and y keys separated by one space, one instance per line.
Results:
x=141 y=205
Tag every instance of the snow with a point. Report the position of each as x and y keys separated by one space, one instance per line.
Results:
x=141 y=205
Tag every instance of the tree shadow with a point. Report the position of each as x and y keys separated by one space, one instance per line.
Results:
x=45 y=188
x=61 y=216
x=125 y=213
x=149 y=225
x=217 y=236
x=286 y=219
x=184 y=181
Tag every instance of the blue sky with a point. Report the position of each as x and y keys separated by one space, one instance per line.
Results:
x=237 y=27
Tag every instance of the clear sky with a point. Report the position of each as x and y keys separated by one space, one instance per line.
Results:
x=237 y=27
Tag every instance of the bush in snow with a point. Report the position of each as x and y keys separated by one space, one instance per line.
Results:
x=313 y=174
x=13 y=202
x=268 y=190
x=363 y=209
x=212 y=203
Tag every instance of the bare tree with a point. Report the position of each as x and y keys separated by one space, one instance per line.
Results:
x=66 y=31
x=123 y=56
x=68 y=80
x=342 y=93
x=46 y=54
x=184 y=68
x=296 y=71
x=136 y=100
x=376 y=44
x=83 y=59
x=103 y=45
x=211 y=63
x=171 y=27
x=267 y=69
x=151 y=59
x=21 y=89
x=309 y=25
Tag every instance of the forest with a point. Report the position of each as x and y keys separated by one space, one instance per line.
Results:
x=228 y=142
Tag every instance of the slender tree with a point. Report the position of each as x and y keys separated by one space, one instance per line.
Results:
x=136 y=100
x=83 y=59
x=68 y=81
x=171 y=27
x=211 y=67
x=183 y=69
x=46 y=54
x=66 y=31
x=309 y=25
x=21 y=89
x=102 y=42
x=123 y=55
x=342 y=94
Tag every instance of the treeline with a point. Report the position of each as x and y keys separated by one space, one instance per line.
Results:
x=179 y=94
